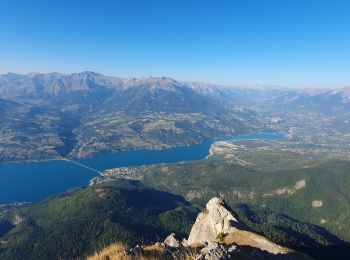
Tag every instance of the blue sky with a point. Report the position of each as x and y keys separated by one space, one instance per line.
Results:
x=296 y=43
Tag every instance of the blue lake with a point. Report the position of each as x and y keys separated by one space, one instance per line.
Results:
x=35 y=181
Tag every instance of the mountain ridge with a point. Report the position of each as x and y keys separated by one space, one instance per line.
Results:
x=87 y=113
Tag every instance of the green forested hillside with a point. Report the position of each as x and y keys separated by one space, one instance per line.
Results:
x=319 y=194
x=79 y=222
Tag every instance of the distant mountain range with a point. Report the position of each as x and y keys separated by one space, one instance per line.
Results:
x=82 y=114
x=87 y=113
x=77 y=88
x=54 y=86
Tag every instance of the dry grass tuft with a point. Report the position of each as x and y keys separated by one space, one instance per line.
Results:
x=113 y=252
x=156 y=251
x=152 y=252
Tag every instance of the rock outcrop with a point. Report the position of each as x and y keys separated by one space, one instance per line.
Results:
x=172 y=241
x=218 y=224
x=216 y=235
x=214 y=220
x=213 y=251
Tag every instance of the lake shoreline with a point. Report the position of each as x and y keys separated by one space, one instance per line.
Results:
x=160 y=148
x=34 y=181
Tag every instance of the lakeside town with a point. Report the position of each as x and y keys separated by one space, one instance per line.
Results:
x=130 y=173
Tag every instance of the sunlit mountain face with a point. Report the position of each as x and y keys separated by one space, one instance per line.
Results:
x=87 y=113
x=83 y=114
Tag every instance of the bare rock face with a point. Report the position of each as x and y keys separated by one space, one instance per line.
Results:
x=217 y=224
x=214 y=220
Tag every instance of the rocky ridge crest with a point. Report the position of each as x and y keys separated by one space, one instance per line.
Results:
x=218 y=234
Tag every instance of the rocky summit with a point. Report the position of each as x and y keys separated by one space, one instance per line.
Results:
x=216 y=234
x=218 y=224
x=216 y=219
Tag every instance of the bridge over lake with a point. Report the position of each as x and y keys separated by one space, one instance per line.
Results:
x=84 y=166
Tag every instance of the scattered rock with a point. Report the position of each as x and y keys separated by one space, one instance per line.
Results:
x=317 y=203
x=213 y=251
x=232 y=248
x=323 y=221
x=300 y=184
x=172 y=241
x=184 y=243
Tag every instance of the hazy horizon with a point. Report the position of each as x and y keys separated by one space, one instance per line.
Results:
x=234 y=43
x=252 y=86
